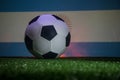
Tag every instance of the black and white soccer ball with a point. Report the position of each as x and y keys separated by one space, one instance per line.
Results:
x=47 y=36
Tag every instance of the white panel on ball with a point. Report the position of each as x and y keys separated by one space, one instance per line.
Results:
x=33 y=30
x=46 y=19
x=61 y=28
x=41 y=45
x=58 y=44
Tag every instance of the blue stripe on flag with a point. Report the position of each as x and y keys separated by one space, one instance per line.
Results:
x=92 y=49
x=13 y=49
x=57 y=5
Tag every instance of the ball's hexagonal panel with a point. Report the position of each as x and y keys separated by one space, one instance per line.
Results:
x=33 y=30
x=58 y=44
x=48 y=32
x=68 y=37
x=47 y=19
x=41 y=45
x=50 y=55
x=29 y=43
x=34 y=19
x=58 y=18
x=61 y=28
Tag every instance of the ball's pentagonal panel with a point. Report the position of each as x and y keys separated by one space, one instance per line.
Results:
x=58 y=18
x=34 y=20
x=50 y=55
x=48 y=32
x=58 y=44
x=68 y=37
x=29 y=43
x=41 y=45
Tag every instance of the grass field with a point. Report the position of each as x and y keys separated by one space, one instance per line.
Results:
x=58 y=69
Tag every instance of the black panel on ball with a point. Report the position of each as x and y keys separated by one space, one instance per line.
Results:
x=68 y=39
x=34 y=19
x=50 y=55
x=58 y=18
x=48 y=32
x=29 y=43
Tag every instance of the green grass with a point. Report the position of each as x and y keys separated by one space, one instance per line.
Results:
x=58 y=69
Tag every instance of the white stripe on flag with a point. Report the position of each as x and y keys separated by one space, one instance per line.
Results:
x=87 y=26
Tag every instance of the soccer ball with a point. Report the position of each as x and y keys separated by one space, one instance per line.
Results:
x=47 y=36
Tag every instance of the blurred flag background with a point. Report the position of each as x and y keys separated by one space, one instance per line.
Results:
x=94 y=26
